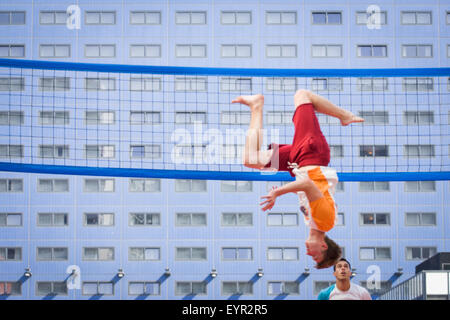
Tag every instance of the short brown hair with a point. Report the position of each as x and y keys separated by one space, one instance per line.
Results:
x=331 y=255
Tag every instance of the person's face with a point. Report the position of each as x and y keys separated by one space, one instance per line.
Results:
x=342 y=271
x=315 y=249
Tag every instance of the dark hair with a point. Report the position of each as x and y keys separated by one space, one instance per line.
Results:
x=341 y=259
x=330 y=255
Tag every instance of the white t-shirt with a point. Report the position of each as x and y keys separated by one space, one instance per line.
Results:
x=355 y=292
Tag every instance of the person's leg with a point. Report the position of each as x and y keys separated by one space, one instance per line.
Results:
x=324 y=106
x=254 y=135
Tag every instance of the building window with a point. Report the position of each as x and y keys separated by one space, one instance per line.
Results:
x=418 y=117
x=237 y=288
x=100 y=17
x=54 y=118
x=237 y=254
x=147 y=151
x=236 y=17
x=11 y=185
x=235 y=117
x=190 y=219
x=53 y=17
x=320 y=285
x=54 y=50
x=12 y=18
x=236 y=51
x=233 y=219
x=420 y=253
x=144 y=219
x=188 y=153
x=52 y=254
x=100 y=84
x=98 y=254
x=375 y=117
x=145 y=84
x=99 y=117
x=327 y=84
x=144 y=288
x=11 y=118
x=236 y=186
x=420 y=186
x=341 y=219
x=94 y=151
x=419 y=151
x=372 y=84
x=53 y=185
x=416 y=17
x=235 y=84
x=52 y=219
x=374 y=253
x=374 y=186
x=11 y=151
x=370 y=219
x=46 y=288
x=144 y=254
x=145 y=51
x=278 y=117
x=190 y=17
x=10 y=254
x=336 y=151
x=281 y=17
x=373 y=151
x=372 y=51
x=54 y=84
x=100 y=50
x=183 y=288
x=10 y=219
x=145 y=17
x=281 y=84
x=9 y=288
x=283 y=287
x=417 y=84
x=191 y=84
x=340 y=187
x=281 y=51
x=98 y=288
x=190 y=117
x=98 y=185
x=12 y=83
x=448 y=51
x=188 y=185
x=54 y=151
x=375 y=18
x=326 y=17
x=448 y=17
x=190 y=254
x=284 y=254
x=99 y=219
x=145 y=185
x=420 y=219
x=282 y=219
x=417 y=51
x=12 y=50
x=190 y=51
x=326 y=51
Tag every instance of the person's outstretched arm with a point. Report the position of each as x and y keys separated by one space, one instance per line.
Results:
x=306 y=185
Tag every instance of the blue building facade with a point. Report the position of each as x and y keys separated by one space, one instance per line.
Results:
x=132 y=238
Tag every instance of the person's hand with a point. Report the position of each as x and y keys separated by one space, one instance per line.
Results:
x=270 y=199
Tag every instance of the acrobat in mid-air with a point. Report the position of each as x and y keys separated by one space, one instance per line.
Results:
x=307 y=159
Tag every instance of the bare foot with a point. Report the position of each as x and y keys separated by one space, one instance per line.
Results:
x=254 y=102
x=350 y=118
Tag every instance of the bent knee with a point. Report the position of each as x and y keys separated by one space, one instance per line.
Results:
x=302 y=96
